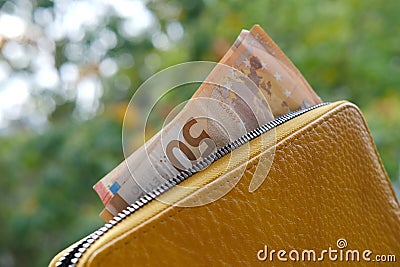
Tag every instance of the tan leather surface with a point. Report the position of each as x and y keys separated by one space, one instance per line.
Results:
x=326 y=183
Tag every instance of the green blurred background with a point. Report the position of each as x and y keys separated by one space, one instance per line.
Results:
x=69 y=68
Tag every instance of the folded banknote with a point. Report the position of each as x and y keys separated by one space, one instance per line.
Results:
x=253 y=84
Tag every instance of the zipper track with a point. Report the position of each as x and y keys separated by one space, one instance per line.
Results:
x=72 y=256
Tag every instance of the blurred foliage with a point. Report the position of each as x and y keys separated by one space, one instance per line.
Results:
x=346 y=49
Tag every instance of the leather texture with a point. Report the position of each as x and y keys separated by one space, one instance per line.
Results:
x=326 y=183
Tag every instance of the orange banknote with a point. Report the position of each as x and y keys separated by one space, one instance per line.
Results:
x=253 y=84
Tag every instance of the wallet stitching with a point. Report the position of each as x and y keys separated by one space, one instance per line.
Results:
x=340 y=110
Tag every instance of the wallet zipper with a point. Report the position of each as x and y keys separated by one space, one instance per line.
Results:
x=72 y=256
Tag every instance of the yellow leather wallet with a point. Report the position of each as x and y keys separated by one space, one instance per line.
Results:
x=325 y=200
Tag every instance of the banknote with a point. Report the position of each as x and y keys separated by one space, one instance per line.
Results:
x=254 y=83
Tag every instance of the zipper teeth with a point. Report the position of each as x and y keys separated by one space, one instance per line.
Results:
x=72 y=256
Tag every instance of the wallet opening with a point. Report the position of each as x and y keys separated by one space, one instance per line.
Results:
x=78 y=250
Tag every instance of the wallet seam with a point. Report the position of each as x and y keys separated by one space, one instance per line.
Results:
x=338 y=111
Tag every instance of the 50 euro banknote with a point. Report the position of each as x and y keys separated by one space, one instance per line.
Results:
x=254 y=83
